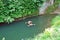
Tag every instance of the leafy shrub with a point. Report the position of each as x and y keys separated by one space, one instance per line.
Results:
x=18 y=8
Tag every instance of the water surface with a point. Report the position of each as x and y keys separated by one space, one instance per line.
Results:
x=19 y=30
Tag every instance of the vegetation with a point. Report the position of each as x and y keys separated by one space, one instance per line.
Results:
x=52 y=7
x=52 y=33
x=11 y=9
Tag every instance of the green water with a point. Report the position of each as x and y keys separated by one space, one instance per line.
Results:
x=19 y=30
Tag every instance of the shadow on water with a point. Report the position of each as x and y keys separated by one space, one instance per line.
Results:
x=19 y=30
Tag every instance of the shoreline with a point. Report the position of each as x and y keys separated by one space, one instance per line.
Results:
x=23 y=18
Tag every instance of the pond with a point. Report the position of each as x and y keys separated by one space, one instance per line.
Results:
x=20 y=31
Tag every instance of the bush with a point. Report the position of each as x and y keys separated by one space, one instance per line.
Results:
x=18 y=8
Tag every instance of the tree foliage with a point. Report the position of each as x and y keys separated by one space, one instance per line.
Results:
x=17 y=8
